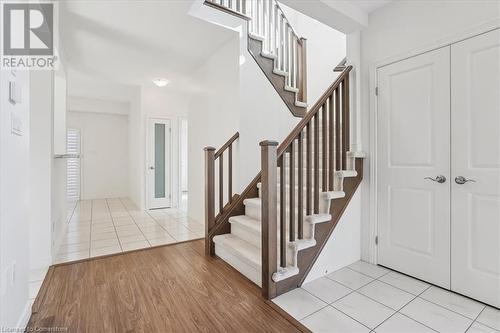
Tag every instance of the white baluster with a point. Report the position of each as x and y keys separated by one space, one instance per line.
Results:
x=285 y=46
x=271 y=26
x=290 y=51
x=265 y=22
x=255 y=16
x=276 y=35
x=294 y=55
x=259 y=17
x=282 y=49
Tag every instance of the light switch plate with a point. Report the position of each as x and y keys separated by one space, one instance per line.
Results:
x=15 y=93
x=16 y=127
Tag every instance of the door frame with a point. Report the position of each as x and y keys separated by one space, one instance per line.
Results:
x=373 y=130
x=179 y=155
x=168 y=157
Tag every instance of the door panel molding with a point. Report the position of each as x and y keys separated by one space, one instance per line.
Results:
x=413 y=146
x=475 y=141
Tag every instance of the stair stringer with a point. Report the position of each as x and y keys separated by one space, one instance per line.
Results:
x=278 y=81
x=307 y=257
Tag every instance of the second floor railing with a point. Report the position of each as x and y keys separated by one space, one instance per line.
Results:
x=268 y=22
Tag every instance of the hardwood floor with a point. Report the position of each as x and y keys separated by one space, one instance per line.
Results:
x=165 y=289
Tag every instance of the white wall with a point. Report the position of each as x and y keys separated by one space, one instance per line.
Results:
x=60 y=109
x=98 y=105
x=344 y=245
x=40 y=169
x=183 y=137
x=403 y=28
x=136 y=157
x=104 y=156
x=14 y=199
x=236 y=96
x=326 y=47
x=59 y=204
x=213 y=117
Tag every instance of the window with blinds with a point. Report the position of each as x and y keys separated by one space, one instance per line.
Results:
x=73 y=177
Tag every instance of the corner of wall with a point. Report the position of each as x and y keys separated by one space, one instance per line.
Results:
x=344 y=245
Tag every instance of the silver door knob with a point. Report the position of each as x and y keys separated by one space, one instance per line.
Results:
x=460 y=180
x=439 y=179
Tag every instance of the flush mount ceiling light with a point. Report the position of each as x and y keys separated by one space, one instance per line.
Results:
x=160 y=82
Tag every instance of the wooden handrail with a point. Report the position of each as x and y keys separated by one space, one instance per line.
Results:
x=211 y=156
x=228 y=143
x=341 y=65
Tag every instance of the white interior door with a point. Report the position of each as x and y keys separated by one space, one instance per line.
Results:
x=413 y=146
x=475 y=241
x=159 y=164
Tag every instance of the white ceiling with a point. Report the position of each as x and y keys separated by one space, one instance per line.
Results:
x=133 y=42
x=367 y=6
x=343 y=15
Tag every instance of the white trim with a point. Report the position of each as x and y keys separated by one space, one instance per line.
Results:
x=179 y=153
x=373 y=67
x=452 y=39
x=25 y=316
x=167 y=157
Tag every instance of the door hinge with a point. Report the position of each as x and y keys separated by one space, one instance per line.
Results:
x=376 y=91
x=376 y=240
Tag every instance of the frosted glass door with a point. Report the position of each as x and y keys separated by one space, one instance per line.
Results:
x=159 y=168
x=159 y=164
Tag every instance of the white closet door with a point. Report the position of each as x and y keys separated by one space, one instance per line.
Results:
x=413 y=143
x=475 y=245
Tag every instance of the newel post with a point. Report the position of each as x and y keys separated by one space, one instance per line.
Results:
x=269 y=217
x=209 y=197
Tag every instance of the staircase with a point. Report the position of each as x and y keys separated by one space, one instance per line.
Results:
x=275 y=46
x=275 y=230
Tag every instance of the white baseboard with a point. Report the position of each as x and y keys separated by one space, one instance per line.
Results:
x=25 y=316
x=39 y=274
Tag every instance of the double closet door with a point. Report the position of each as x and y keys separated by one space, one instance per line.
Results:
x=438 y=167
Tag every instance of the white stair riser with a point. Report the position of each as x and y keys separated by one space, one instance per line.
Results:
x=235 y=259
x=255 y=211
x=245 y=234
x=255 y=238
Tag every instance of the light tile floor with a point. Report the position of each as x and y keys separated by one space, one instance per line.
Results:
x=368 y=298
x=108 y=226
